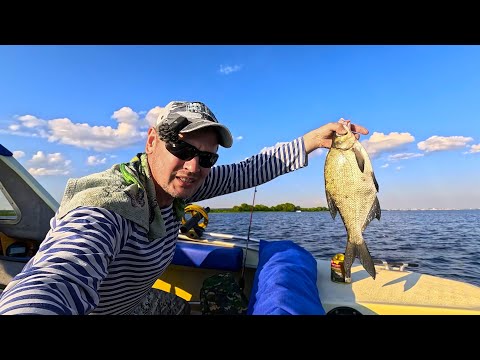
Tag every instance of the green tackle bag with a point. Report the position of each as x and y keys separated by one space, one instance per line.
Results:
x=221 y=295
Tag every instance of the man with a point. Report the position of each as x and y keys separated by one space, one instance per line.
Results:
x=116 y=231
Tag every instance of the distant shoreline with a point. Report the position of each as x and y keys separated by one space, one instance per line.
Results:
x=231 y=210
x=285 y=207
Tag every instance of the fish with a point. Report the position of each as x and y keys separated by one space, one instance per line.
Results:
x=351 y=190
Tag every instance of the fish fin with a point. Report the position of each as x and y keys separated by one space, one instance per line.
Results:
x=366 y=259
x=331 y=205
x=375 y=181
x=359 y=157
x=375 y=212
x=361 y=251
x=350 y=255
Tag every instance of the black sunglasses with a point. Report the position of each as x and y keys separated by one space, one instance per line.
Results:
x=185 y=151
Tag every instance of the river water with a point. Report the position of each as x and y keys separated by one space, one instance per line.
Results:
x=444 y=243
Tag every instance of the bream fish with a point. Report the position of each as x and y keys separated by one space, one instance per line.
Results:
x=351 y=190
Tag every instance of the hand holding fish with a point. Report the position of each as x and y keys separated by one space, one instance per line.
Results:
x=323 y=136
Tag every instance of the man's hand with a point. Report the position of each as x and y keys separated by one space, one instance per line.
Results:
x=323 y=136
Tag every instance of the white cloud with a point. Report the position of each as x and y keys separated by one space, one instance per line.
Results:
x=94 y=160
x=227 y=69
x=125 y=115
x=28 y=125
x=18 y=154
x=16 y=130
x=239 y=138
x=99 y=138
x=379 y=142
x=404 y=156
x=31 y=121
x=474 y=149
x=47 y=172
x=50 y=164
x=152 y=115
x=441 y=143
x=384 y=166
x=316 y=153
x=82 y=135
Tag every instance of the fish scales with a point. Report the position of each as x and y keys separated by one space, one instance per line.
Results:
x=351 y=190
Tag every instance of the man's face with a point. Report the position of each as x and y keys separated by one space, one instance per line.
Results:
x=173 y=177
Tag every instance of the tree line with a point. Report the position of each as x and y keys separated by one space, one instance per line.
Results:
x=287 y=207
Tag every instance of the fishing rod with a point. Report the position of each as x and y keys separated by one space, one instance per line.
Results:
x=230 y=237
x=241 y=281
x=193 y=229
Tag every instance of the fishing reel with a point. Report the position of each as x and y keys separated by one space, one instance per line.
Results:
x=197 y=222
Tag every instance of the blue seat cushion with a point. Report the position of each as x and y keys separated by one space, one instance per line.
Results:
x=208 y=256
x=285 y=282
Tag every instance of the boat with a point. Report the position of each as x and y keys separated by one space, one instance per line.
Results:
x=275 y=276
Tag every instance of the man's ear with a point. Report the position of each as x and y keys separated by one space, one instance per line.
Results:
x=152 y=139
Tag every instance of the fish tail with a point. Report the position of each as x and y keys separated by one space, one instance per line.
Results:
x=361 y=252
x=366 y=259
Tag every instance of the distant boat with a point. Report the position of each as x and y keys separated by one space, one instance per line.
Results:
x=298 y=211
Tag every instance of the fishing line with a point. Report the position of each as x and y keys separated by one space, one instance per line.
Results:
x=241 y=282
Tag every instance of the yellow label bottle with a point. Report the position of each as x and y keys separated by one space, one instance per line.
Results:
x=337 y=271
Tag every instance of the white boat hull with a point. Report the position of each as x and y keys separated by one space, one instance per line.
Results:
x=392 y=292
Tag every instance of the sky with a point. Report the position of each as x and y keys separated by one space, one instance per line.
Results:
x=71 y=110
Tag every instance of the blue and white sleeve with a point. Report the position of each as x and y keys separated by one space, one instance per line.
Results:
x=256 y=170
x=64 y=276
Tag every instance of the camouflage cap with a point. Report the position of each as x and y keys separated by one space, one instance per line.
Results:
x=198 y=115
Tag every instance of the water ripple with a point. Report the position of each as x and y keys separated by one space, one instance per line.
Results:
x=443 y=243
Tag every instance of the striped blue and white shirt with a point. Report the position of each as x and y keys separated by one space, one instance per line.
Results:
x=93 y=261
